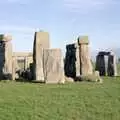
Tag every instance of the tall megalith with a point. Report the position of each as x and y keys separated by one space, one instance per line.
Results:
x=100 y=64
x=72 y=62
x=85 y=59
x=41 y=42
x=112 y=66
x=5 y=57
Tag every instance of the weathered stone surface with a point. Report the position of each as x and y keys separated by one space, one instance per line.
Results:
x=100 y=65
x=112 y=66
x=83 y=40
x=14 y=68
x=72 y=61
x=5 y=37
x=97 y=77
x=68 y=79
x=41 y=42
x=53 y=66
x=6 y=57
x=109 y=69
x=22 y=54
x=77 y=62
x=85 y=59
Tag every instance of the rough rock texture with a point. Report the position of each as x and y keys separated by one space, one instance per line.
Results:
x=72 y=61
x=53 y=66
x=14 y=62
x=6 y=57
x=69 y=79
x=97 y=76
x=77 y=62
x=85 y=60
x=41 y=42
x=100 y=64
x=112 y=66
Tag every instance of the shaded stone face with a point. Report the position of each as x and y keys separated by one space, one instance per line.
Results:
x=100 y=65
x=53 y=66
x=77 y=60
x=112 y=67
x=41 y=42
x=70 y=61
x=5 y=57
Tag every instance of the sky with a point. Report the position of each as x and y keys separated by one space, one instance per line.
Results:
x=65 y=20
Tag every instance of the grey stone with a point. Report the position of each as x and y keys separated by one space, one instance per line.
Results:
x=14 y=68
x=69 y=79
x=53 y=66
x=100 y=65
x=112 y=66
x=77 y=62
x=72 y=61
x=6 y=57
x=41 y=42
x=86 y=67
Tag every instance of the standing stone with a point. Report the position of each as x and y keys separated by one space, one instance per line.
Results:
x=77 y=63
x=72 y=63
x=14 y=68
x=41 y=42
x=53 y=66
x=85 y=60
x=112 y=67
x=70 y=58
x=6 y=57
x=100 y=64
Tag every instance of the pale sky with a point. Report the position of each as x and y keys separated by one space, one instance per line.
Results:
x=65 y=20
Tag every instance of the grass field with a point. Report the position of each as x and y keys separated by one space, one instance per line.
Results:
x=74 y=101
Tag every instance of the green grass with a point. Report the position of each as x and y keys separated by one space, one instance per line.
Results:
x=74 y=101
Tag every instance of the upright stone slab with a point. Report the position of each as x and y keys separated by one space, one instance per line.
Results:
x=85 y=59
x=112 y=66
x=77 y=63
x=72 y=62
x=41 y=42
x=53 y=66
x=100 y=64
x=5 y=57
x=14 y=66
